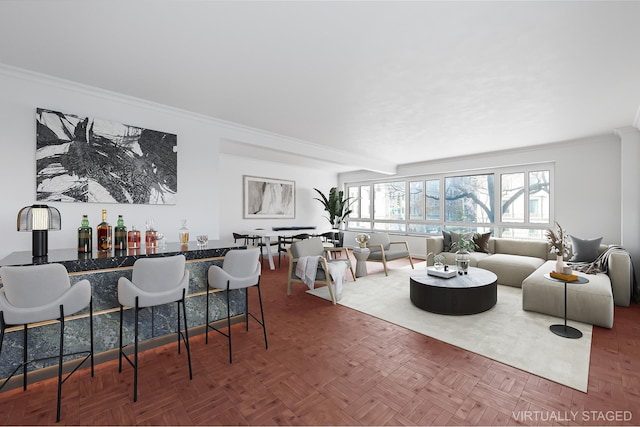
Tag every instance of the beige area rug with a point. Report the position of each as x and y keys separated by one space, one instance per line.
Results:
x=505 y=333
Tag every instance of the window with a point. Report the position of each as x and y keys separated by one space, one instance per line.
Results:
x=389 y=200
x=509 y=202
x=469 y=198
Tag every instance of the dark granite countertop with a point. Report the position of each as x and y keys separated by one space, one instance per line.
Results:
x=75 y=262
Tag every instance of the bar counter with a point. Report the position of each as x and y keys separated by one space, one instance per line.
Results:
x=103 y=271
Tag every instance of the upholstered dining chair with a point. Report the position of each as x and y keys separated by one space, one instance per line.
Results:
x=382 y=249
x=39 y=293
x=154 y=282
x=240 y=270
x=246 y=239
x=314 y=247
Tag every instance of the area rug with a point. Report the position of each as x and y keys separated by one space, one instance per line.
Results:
x=505 y=333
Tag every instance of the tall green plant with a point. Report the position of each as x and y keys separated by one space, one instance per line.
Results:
x=336 y=206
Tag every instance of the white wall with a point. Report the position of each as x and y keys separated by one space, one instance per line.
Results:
x=209 y=191
x=309 y=212
x=588 y=195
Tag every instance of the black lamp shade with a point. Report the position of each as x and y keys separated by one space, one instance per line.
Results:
x=39 y=219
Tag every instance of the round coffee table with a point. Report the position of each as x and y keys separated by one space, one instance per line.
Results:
x=463 y=294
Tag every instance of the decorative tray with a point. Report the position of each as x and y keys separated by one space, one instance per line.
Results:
x=445 y=274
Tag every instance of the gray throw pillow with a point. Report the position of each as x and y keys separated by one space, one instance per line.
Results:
x=447 y=241
x=585 y=250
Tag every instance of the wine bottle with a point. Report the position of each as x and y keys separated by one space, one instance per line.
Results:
x=85 y=237
x=105 y=233
x=183 y=233
x=120 y=235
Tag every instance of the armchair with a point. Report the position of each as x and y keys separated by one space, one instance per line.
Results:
x=314 y=247
x=382 y=249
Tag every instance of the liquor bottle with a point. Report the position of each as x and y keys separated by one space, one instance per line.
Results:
x=150 y=235
x=133 y=238
x=120 y=235
x=85 y=236
x=105 y=232
x=183 y=233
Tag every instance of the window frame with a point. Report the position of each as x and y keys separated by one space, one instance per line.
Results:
x=498 y=226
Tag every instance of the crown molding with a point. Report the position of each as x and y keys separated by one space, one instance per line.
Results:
x=229 y=130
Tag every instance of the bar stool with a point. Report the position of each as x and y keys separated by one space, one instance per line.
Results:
x=154 y=281
x=41 y=293
x=240 y=270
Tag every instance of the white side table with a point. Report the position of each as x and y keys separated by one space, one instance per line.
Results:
x=361 y=255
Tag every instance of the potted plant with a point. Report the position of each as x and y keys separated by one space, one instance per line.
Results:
x=463 y=246
x=337 y=207
x=438 y=261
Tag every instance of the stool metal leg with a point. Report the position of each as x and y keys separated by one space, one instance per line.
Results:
x=246 y=308
x=135 y=363
x=24 y=358
x=264 y=327
x=120 y=354
x=206 y=328
x=60 y=363
x=91 y=331
x=186 y=332
x=229 y=324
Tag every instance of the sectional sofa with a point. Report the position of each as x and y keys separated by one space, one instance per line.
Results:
x=523 y=264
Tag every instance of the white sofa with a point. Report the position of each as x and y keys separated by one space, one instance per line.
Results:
x=523 y=263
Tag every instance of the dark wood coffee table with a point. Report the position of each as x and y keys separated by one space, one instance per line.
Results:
x=463 y=294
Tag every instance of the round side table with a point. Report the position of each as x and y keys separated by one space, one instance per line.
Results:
x=564 y=330
x=361 y=255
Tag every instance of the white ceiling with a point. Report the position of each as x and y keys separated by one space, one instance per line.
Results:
x=379 y=83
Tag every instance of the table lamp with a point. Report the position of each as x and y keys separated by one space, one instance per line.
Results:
x=39 y=219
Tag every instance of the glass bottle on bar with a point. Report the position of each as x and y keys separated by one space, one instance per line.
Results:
x=133 y=238
x=183 y=233
x=120 y=235
x=85 y=236
x=104 y=233
x=151 y=235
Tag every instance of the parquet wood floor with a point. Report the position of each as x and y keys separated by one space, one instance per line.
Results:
x=330 y=365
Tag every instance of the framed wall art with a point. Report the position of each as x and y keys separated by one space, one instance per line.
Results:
x=83 y=159
x=269 y=198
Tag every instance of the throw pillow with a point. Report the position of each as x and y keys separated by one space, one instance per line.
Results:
x=447 y=241
x=482 y=242
x=585 y=250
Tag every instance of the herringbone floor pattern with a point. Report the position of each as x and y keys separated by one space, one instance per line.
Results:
x=330 y=365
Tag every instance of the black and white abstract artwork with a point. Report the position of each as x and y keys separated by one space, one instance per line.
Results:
x=269 y=198
x=82 y=159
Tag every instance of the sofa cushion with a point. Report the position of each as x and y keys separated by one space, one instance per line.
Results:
x=589 y=303
x=531 y=248
x=585 y=250
x=510 y=269
x=392 y=253
x=474 y=258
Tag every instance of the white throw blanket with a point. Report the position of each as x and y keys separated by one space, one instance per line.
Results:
x=338 y=271
x=307 y=268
